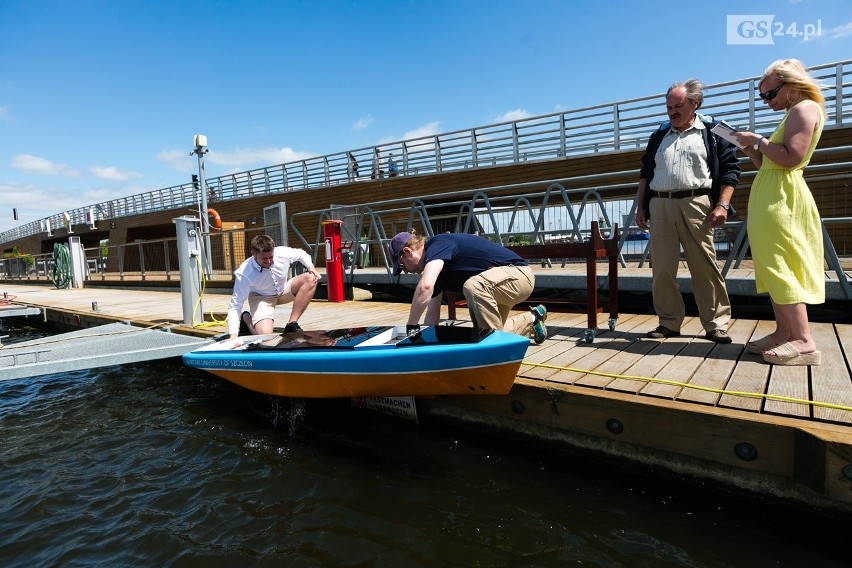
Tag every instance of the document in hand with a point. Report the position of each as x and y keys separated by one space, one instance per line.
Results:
x=726 y=131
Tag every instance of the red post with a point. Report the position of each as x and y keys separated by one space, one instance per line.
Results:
x=333 y=260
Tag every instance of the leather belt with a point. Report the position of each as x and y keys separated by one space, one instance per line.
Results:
x=681 y=193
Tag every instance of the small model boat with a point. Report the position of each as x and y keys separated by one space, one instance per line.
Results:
x=367 y=361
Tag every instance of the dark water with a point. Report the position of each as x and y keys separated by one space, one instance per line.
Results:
x=159 y=465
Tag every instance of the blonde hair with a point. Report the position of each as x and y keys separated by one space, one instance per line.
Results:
x=415 y=241
x=792 y=73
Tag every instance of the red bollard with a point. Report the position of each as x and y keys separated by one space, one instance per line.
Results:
x=333 y=260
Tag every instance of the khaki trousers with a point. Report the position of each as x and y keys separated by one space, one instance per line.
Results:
x=492 y=294
x=683 y=222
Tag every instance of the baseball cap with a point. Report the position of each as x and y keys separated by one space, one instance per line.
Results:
x=395 y=249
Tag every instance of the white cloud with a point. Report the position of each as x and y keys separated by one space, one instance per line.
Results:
x=247 y=157
x=837 y=32
x=179 y=160
x=111 y=173
x=4 y=114
x=429 y=129
x=512 y=115
x=35 y=202
x=362 y=123
x=36 y=165
x=237 y=160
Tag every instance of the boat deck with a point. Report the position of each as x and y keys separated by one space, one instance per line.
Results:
x=685 y=403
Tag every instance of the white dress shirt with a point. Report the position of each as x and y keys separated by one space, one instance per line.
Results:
x=251 y=278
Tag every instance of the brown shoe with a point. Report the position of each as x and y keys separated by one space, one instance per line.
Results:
x=662 y=332
x=718 y=335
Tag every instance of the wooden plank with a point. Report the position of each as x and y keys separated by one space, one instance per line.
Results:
x=582 y=355
x=562 y=338
x=788 y=382
x=687 y=362
x=830 y=381
x=596 y=356
x=652 y=364
x=719 y=365
x=751 y=375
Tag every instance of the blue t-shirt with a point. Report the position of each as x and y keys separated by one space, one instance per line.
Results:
x=465 y=255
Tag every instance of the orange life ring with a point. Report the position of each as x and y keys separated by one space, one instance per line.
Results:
x=215 y=221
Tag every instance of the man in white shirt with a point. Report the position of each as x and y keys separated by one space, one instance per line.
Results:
x=262 y=279
x=687 y=179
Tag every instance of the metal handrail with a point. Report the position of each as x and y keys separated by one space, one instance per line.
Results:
x=610 y=127
x=488 y=200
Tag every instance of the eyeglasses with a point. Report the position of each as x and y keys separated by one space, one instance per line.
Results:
x=771 y=94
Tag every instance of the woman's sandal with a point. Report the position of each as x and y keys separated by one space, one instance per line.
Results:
x=758 y=346
x=786 y=354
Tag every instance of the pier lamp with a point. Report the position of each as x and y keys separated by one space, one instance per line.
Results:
x=200 y=142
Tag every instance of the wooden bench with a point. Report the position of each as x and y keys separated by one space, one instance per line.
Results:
x=591 y=250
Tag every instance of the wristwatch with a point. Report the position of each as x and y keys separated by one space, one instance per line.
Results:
x=757 y=144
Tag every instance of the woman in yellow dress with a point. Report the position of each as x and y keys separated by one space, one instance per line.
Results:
x=784 y=227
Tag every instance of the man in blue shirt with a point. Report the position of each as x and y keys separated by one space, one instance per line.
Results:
x=492 y=278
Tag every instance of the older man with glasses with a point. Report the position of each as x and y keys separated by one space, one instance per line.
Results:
x=686 y=182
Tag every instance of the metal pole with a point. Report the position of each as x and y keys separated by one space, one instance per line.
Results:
x=200 y=150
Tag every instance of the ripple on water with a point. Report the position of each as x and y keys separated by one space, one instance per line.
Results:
x=155 y=464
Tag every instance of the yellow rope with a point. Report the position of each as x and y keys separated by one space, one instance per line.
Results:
x=695 y=387
x=214 y=322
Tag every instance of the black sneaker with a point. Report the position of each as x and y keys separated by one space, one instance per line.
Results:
x=662 y=332
x=292 y=326
x=245 y=324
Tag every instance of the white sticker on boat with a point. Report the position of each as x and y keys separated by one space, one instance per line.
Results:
x=399 y=406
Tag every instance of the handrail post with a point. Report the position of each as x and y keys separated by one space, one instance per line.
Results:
x=616 y=128
x=751 y=106
x=404 y=157
x=516 y=151
x=838 y=97
x=166 y=260
x=141 y=261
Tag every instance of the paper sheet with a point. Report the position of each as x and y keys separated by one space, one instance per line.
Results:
x=726 y=131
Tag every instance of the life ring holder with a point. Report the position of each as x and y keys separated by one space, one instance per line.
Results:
x=215 y=220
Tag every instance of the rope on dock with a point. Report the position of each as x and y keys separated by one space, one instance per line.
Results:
x=696 y=387
x=213 y=321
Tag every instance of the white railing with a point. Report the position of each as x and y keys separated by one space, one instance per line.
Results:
x=611 y=127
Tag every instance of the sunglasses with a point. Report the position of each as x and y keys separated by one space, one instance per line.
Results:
x=769 y=95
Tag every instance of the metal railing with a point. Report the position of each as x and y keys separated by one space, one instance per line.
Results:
x=531 y=217
x=555 y=214
x=611 y=127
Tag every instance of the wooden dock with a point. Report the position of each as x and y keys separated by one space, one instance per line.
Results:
x=683 y=406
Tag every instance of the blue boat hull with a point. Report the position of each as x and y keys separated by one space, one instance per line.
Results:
x=377 y=361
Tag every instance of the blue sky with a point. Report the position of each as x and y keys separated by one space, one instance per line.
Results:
x=101 y=99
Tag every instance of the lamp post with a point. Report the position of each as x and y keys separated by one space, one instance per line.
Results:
x=200 y=142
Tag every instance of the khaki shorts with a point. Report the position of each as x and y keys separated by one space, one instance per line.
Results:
x=263 y=307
